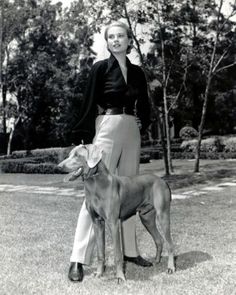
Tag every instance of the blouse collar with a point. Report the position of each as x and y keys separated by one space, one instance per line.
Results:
x=112 y=61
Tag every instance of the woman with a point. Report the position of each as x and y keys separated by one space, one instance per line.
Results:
x=119 y=89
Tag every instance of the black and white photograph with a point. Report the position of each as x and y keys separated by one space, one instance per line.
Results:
x=118 y=147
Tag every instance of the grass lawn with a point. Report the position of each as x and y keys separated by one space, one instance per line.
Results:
x=37 y=236
x=203 y=230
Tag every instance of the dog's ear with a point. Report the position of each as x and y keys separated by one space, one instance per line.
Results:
x=94 y=155
x=80 y=150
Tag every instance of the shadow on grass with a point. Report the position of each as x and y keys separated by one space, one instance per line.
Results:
x=184 y=180
x=183 y=262
x=191 y=259
x=136 y=273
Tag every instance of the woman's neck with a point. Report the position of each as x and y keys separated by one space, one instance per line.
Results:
x=121 y=58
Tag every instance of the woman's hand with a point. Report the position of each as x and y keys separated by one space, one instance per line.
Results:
x=138 y=123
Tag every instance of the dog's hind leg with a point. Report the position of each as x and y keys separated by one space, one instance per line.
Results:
x=163 y=224
x=114 y=226
x=148 y=219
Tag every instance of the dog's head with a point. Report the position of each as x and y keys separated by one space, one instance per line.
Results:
x=80 y=160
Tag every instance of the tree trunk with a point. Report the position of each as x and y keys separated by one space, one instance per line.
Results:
x=163 y=144
x=201 y=126
x=4 y=99
x=167 y=128
x=2 y=90
x=9 y=145
x=206 y=94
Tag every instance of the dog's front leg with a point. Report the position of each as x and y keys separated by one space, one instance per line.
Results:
x=114 y=227
x=99 y=229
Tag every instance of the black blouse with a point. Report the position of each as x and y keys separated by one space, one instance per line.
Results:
x=107 y=88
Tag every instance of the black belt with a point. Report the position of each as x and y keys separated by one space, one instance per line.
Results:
x=118 y=111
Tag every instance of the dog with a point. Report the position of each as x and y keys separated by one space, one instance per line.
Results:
x=110 y=198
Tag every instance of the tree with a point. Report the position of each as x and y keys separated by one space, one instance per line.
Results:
x=1 y=65
x=170 y=56
x=13 y=112
x=166 y=61
x=9 y=25
x=12 y=26
x=215 y=61
x=31 y=70
x=47 y=72
x=47 y=67
x=80 y=22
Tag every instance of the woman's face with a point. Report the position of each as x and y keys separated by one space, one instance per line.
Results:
x=117 y=40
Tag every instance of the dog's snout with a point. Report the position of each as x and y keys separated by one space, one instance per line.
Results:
x=63 y=166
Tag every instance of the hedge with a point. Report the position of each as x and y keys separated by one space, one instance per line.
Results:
x=204 y=155
x=35 y=166
x=211 y=145
x=158 y=143
x=191 y=155
x=28 y=165
x=229 y=144
x=54 y=155
x=46 y=160
x=36 y=161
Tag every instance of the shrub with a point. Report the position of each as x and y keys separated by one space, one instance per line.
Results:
x=20 y=154
x=11 y=166
x=34 y=161
x=211 y=145
x=187 y=132
x=43 y=168
x=208 y=145
x=28 y=166
x=189 y=145
x=182 y=155
x=204 y=155
x=54 y=155
x=229 y=144
x=229 y=155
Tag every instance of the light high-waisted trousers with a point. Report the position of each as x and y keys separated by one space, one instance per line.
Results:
x=119 y=137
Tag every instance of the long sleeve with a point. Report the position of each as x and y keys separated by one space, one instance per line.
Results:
x=92 y=91
x=143 y=104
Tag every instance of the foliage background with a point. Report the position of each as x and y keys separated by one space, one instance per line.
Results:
x=47 y=53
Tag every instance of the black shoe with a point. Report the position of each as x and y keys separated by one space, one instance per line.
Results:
x=76 y=273
x=138 y=260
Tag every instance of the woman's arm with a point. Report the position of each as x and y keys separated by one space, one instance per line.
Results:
x=92 y=92
x=143 y=105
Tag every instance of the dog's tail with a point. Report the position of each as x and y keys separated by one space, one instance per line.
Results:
x=169 y=191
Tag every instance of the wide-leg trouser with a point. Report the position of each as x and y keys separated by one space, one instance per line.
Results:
x=119 y=137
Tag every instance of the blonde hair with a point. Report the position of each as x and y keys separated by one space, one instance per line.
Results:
x=126 y=28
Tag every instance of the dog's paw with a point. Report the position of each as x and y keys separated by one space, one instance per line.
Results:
x=120 y=277
x=170 y=271
x=121 y=280
x=98 y=275
x=100 y=271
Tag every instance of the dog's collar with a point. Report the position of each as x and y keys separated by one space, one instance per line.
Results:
x=92 y=172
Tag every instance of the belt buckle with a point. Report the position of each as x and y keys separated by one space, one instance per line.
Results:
x=108 y=112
